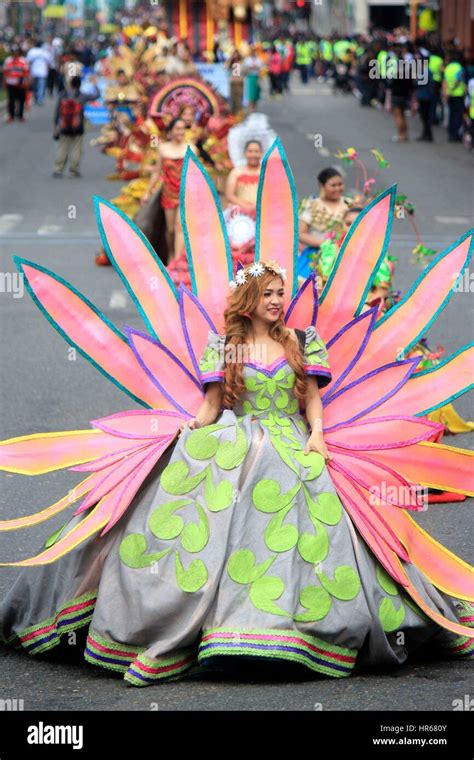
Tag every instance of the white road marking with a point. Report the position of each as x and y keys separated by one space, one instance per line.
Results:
x=27 y=237
x=301 y=91
x=8 y=221
x=118 y=300
x=48 y=229
x=453 y=220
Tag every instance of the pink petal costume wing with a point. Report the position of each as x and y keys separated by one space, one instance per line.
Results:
x=276 y=235
x=374 y=405
x=205 y=236
x=362 y=354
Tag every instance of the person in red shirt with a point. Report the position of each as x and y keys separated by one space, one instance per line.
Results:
x=289 y=56
x=274 y=71
x=16 y=78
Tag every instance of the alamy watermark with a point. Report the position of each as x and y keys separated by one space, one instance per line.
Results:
x=12 y=282
x=398 y=68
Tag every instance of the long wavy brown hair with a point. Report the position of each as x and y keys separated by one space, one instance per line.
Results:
x=238 y=327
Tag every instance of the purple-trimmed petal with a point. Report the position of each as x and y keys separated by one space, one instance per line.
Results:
x=184 y=383
x=344 y=401
x=196 y=323
x=372 y=516
x=116 y=474
x=108 y=459
x=303 y=309
x=392 y=478
x=381 y=433
x=127 y=490
x=136 y=423
x=340 y=351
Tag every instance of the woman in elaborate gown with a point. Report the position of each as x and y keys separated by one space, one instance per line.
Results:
x=266 y=503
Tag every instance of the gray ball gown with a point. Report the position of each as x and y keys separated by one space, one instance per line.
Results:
x=228 y=544
x=237 y=546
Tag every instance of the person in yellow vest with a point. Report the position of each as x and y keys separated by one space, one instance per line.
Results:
x=303 y=58
x=436 y=67
x=454 y=92
x=470 y=104
x=325 y=56
x=382 y=57
x=313 y=49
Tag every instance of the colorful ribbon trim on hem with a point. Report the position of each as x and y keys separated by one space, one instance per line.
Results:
x=138 y=669
x=47 y=634
x=314 y=653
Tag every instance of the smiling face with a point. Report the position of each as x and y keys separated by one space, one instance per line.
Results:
x=333 y=189
x=178 y=132
x=253 y=154
x=270 y=306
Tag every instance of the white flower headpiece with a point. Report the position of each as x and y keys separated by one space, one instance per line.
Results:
x=256 y=270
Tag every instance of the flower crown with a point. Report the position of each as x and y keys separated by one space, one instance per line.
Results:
x=256 y=270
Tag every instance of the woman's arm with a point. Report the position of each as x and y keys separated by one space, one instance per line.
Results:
x=314 y=413
x=305 y=237
x=209 y=409
x=154 y=176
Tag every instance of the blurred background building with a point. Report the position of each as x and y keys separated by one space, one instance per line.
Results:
x=200 y=21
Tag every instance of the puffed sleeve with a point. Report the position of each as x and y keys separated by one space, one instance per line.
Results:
x=316 y=357
x=212 y=363
x=304 y=211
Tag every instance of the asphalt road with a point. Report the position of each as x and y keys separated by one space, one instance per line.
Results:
x=42 y=390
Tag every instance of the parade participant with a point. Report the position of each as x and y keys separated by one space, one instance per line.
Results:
x=39 y=61
x=436 y=67
x=193 y=131
x=122 y=92
x=168 y=167
x=426 y=97
x=257 y=508
x=236 y=79
x=303 y=57
x=454 y=92
x=325 y=57
x=69 y=126
x=317 y=214
x=242 y=182
x=253 y=67
x=401 y=81
x=275 y=64
x=287 y=64
x=16 y=79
